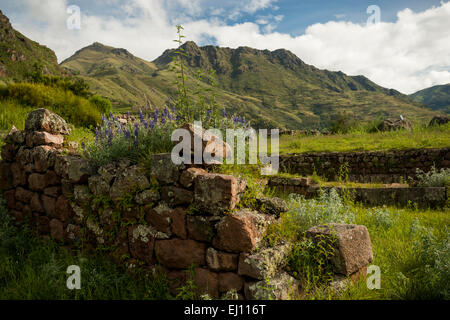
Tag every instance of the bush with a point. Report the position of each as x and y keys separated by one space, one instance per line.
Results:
x=328 y=208
x=74 y=109
x=433 y=178
x=101 y=104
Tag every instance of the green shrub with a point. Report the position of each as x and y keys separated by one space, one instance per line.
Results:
x=74 y=109
x=433 y=178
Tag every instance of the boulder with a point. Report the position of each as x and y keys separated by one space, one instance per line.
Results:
x=274 y=205
x=163 y=169
x=188 y=176
x=129 y=180
x=241 y=231
x=201 y=228
x=351 y=244
x=178 y=227
x=263 y=263
x=38 y=138
x=281 y=287
x=439 y=120
x=395 y=124
x=206 y=282
x=147 y=197
x=217 y=193
x=230 y=281
x=176 y=196
x=141 y=243
x=45 y=120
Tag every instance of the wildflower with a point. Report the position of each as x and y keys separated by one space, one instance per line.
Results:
x=224 y=113
x=145 y=124
x=155 y=116
x=111 y=115
x=136 y=143
x=141 y=115
x=136 y=129
x=83 y=146
x=163 y=119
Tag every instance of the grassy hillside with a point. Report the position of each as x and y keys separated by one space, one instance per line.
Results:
x=437 y=97
x=273 y=89
x=20 y=56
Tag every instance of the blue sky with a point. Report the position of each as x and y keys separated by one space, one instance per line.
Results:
x=408 y=50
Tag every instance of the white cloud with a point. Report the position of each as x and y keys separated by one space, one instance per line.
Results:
x=410 y=54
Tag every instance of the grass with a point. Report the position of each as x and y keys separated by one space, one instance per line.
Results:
x=420 y=137
x=410 y=246
x=33 y=268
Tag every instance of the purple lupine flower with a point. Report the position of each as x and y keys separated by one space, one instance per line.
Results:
x=83 y=146
x=127 y=134
x=96 y=134
x=111 y=115
x=145 y=124
x=136 y=143
x=155 y=116
x=136 y=129
x=103 y=118
x=234 y=119
x=141 y=115
x=224 y=113
x=163 y=118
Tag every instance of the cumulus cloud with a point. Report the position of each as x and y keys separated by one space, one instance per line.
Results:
x=409 y=54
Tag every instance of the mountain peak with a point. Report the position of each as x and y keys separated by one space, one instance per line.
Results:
x=7 y=33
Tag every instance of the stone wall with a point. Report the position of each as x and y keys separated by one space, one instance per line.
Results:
x=368 y=166
x=178 y=219
x=424 y=197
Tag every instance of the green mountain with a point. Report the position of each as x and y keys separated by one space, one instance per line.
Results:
x=20 y=56
x=272 y=88
x=437 y=97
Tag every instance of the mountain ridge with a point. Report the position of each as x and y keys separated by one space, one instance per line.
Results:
x=436 y=97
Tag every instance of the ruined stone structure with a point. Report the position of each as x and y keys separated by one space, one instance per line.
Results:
x=367 y=166
x=170 y=217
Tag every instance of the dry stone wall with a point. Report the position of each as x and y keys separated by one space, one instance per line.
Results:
x=178 y=219
x=368 y=166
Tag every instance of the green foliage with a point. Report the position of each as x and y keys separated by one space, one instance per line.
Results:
x=433 y=178
x=329 y=207
x=74 y=109
x=101 y=104
x=309 y=262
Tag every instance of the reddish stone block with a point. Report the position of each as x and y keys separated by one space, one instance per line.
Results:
x=10 y=198
x=180 y=254
x=56 y=229
x=241 y=231
x=229 y=281
x=23 y=195
x=36 y=182
x=178 y=216
x=63 y=208
x=141 y=245
x=188 y=176
x=19 y=176
x=217 y=193
x=207 y=282
x=49 y=205
x=159 y=218
x=221 y=261
x=36 y=204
